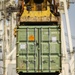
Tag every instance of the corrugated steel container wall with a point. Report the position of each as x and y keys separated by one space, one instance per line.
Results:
x=38 y=49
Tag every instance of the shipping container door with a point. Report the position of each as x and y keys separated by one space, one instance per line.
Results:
x=38 y=49
x=27 y=53
x=50 y=49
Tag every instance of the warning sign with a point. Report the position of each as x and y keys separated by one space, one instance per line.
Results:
x=31 y=38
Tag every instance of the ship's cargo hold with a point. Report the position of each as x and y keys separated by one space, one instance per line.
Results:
x=38 y=49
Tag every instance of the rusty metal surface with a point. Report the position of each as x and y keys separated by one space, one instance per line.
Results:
x=29 y=11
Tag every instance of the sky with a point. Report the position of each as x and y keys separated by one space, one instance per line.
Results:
x=16 y=1
x=71 y=13
x=72 y=21
x=72 y=18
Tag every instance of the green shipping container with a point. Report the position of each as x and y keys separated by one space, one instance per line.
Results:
x=38 y=49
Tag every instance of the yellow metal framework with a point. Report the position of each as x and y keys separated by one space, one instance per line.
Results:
x=36 y=15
